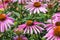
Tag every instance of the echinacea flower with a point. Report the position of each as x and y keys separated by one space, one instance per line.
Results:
x=55 y=21
x=50 y=26
x=6 y=1
x=3 y=6
x=31 y=27
x=5 y=22
x=53 y=34
x=21 y=37
x=55 y=18
x=20 y=1
x=36 y=6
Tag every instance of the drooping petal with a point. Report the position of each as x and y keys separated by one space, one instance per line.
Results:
x=25 y=30
x=34 y=30
x=31 y=30
x=2 y=27
x=28 y=30
x=37 y=29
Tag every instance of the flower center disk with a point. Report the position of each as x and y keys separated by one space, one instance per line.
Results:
x=29 y=22
x=57 y=31
x=37 y=4
x=2 y=17
x=19 y=38
x=57 y=23
x=50 y=5
x=6 y=1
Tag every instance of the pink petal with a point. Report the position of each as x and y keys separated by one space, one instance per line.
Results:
x=49 y=28
x=2 y=27
x=6 y=28
x=9 y=13
x=25 y=30
x=49 y=37
x=49 y=20
x=58 y=38
x=35 y=10
x=38 y=10
x=40 y=28
x=22 y=26
x=53 y=38
x=34 y=30
x=8 y=24
x=31 y=30
x=28 y=30
x=37 y=29
x=36 y=22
